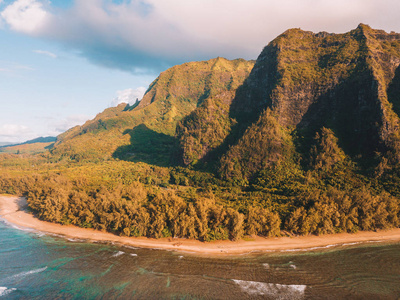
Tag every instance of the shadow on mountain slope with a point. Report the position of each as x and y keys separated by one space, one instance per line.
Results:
x=148 y=146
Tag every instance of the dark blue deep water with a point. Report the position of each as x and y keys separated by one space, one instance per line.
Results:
x=37 y=266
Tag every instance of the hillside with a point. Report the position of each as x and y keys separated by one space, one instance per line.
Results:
x=303 y=82
x=30 y=148
x=38 y=145
x=143 y=131
x=303 y=141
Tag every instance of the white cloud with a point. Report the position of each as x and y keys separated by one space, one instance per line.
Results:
x=63 y=125
x=129 y=96
x=26 y=16
x=14 y=69
x=14 y=133
x=22 y=67
x=47 y=53
x=13 y=129
x=140 y=33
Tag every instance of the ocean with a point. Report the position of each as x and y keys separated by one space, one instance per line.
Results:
x=38 y=266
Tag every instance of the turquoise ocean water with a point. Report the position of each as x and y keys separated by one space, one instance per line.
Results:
x=38 y=266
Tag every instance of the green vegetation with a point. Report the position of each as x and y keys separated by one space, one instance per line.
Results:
x=27 y=148
x=203 y=130
x=306 y=142
x=172 y=96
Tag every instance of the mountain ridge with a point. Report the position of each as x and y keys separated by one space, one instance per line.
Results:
x=47 y=139
x=305 y=140
x=300 y=76
x=310 y=81
x=173 y=95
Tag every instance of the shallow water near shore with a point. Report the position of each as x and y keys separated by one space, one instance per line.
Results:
x=38 y=266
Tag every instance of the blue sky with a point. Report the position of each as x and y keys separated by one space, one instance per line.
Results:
x=64 y=61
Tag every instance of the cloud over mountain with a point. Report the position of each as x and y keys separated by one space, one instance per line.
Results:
x=129 y=96
x=68 y=122
x=13 y=132
x=139 y=36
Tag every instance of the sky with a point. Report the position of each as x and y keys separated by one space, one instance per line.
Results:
x=64 y=61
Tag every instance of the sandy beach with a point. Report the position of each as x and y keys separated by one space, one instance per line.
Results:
x=13 y=210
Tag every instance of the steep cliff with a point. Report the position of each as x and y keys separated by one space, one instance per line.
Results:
x=306 y=140
x=345 y=82
x=215 y=110
x=131 y=132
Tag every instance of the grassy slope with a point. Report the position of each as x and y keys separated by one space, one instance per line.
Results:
x=173 y=95
x=27 y=148
x=321 y=80
x=289 y=127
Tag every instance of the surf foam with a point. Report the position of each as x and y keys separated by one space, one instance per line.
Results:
x=5 y=291
x=119 y=253
x=275 y=290
x=23 y=274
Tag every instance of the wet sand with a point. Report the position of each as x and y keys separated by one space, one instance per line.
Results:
x=13 y=210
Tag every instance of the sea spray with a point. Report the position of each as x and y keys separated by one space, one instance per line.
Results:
x=5 y=291
x=119 y=253
x=275 y=290
x=27 y=273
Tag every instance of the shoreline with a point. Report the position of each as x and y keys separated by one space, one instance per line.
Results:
x=13 y=210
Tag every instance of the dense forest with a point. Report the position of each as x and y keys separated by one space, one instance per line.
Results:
x=305 y=140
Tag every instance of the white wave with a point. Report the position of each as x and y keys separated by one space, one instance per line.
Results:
x=130 y=247
x=23 y=274
x=328 y=246
x=5 y=291
x=333 y=245
x=119 y=253
x=74 y=240
x=274 y=290
x=133 y=254
x=351 y=244
x=311 y=248
x=12 y=225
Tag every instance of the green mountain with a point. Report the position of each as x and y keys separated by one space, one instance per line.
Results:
x=301 y=83
x=47 y=139
x=305 y=140
x=38 y=145
x=145 y=131
x=2 y=144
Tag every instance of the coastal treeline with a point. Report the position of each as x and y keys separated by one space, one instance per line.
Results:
x=303 y=141
x=325 y=192
x=296 y=203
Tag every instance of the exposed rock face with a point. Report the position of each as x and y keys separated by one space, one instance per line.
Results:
x=197 y=81
x=173 y=95
x=216 y=110
x=348 y=83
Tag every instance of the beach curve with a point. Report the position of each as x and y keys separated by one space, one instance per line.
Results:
x=13 y=209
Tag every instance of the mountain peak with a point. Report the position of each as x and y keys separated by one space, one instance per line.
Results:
x=363 y=26
x=174 y=94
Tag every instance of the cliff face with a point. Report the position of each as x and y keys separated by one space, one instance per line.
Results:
x=304 y=140
x=173 y=95
x=244 y=117
x=345 y=82
x=300 y=69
